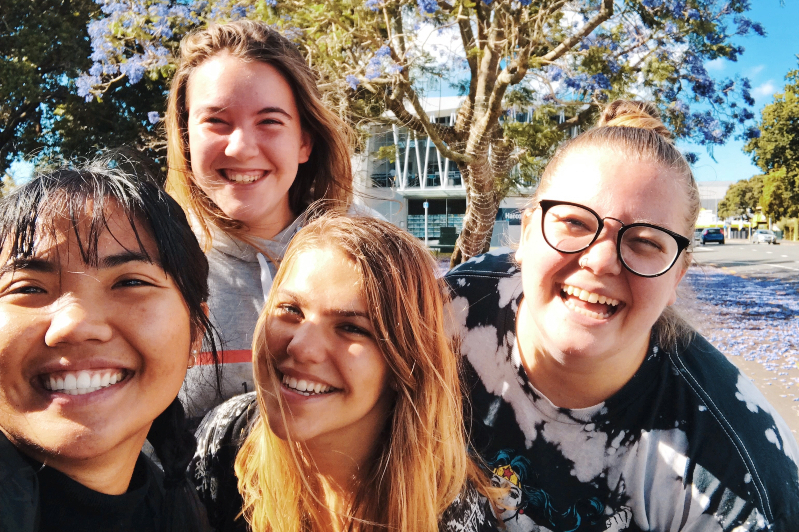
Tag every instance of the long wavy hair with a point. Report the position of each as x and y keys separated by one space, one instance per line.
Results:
x=634 y=129
x=327 y=175
x=421 y=464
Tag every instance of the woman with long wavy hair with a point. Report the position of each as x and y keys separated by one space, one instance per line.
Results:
x=357 y=420
x=250 y=146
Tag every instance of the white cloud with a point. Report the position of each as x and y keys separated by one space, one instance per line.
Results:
x=755 y=70
x=764 y=90
x=717 y=65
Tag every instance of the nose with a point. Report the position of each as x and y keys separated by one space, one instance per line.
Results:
x=74 y=323
x=309 y=344
x=241 y=145
x=602 y=257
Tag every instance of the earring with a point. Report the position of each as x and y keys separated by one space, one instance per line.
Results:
x=192 y=359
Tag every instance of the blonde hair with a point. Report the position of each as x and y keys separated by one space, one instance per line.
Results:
x=635 y=130
x=328 y=172
x=422 y=463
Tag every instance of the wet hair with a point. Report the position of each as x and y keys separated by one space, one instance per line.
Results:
x=421 y=462
x=82 y=197
x=634 y=129
x=327 y=175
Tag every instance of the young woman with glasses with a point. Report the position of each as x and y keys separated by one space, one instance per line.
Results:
x=595 y=404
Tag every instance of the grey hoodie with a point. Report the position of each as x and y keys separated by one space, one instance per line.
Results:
x=239 y=280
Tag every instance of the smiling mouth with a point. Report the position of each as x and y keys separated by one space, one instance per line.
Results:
x=243 y=177
x=306 y=387
x=589 y=304
x=82 y=382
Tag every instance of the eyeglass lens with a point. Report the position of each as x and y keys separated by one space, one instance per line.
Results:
x=645 y=250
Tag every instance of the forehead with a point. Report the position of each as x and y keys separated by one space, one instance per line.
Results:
x=614 y=184
x=324 y=271
x=224 y=80
x=86 y=238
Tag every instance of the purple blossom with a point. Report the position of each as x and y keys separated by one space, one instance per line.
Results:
x=393 y=69
x=383 y=51
x=691 y=157
x=352 y=81
x=133 y=69
x=427 y=7
x=154 y=117
x=751 y=132
x=374 y=5
x=84 y=84
x=693 y=14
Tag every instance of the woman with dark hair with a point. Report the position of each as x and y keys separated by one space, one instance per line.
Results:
x=250 y=146
x=102 y=309
x=579 y=368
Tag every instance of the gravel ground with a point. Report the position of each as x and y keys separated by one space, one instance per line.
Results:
x=755 y=323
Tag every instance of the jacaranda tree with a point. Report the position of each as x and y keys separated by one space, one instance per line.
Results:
x=376 y=57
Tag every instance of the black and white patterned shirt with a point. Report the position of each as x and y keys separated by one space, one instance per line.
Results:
x=219 y=438
x=687 y=444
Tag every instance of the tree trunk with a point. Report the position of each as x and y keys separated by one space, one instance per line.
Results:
x=482 y=203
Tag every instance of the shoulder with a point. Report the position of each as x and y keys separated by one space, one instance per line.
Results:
x=749 y=430
x=227 y=424
x=19 y=490
x=496 y=264
x=469 y=512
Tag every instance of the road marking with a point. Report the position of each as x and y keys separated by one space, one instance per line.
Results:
x=784 y=256
x=769 y=252
x=781 y=266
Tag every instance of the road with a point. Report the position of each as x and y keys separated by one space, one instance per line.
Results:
x=744 y=259
x=745 y=299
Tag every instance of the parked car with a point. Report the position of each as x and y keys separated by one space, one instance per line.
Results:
x=764 y=235
x=711 y=234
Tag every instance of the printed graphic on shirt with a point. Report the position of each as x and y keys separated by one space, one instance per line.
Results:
x=687 y=444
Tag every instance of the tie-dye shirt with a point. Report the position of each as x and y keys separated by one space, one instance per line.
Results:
x=687 y=444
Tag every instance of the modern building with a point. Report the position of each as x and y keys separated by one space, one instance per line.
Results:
x=420 y=188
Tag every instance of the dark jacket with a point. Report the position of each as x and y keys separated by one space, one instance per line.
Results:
x=21 y=508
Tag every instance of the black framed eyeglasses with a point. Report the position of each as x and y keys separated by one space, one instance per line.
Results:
x=644 y=249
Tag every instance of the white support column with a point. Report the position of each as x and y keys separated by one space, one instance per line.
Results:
x=427 y=157
x=395 y=131
x=422 y=172
x=407 y=154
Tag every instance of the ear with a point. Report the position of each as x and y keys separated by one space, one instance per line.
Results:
x=527 y=230
x=673 y=296
x=306 y=146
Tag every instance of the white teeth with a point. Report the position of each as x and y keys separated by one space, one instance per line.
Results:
x=83 y=382
x=305 y=387
x=586 y=312
x=589 y=297
x=243 y=178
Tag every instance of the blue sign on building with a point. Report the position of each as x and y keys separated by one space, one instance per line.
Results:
x=512 y=216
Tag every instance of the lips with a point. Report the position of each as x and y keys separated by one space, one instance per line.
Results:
x=590 y=304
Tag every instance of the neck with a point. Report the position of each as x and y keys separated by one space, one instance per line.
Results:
x=108 y=473
x=575 y=380
x=270 y=228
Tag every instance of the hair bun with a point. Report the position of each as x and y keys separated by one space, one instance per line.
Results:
x=630 y=113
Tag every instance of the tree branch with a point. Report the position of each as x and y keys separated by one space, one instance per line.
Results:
x=605 y=12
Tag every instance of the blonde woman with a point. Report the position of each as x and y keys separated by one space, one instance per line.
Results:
x=360 y=424
x=250 y=147
x=595 y=405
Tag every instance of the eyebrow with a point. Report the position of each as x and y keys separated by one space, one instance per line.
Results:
x=343 y=313
x=265 y=111
x=47 y=266
x=118 y=259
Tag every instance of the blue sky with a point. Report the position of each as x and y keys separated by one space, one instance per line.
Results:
x=765 y=62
